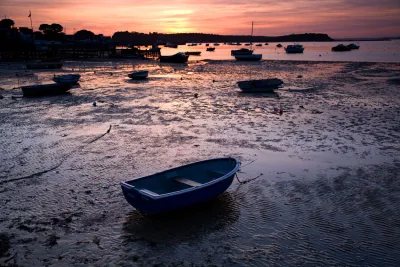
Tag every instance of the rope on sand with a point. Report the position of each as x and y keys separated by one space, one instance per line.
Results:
x=58 y=165
x=249 y=180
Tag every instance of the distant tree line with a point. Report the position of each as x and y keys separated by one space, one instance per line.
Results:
x=136 y=38
x=49 y=32
x=54 y=32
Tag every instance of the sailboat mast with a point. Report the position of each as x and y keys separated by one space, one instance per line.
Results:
x=251 y=38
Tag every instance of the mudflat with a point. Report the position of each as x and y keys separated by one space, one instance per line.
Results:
x=328 y=186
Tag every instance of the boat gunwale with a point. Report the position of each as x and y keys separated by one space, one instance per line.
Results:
x=179 y=192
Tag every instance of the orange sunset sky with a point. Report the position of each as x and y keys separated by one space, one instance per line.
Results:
x=337 y=18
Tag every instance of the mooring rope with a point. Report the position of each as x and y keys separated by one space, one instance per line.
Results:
x=249 y=180
x=64 y=158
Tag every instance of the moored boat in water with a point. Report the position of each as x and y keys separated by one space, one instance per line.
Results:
x=171 y=45
x=193 y=53
x=340 y=48
x=242 y=51
x=353 y=46
x=294 y=49
x=180 y=187
x=177 y=58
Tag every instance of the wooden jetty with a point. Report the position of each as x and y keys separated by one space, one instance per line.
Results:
x=75 y=52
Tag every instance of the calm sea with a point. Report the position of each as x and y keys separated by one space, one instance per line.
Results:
x=370 y=51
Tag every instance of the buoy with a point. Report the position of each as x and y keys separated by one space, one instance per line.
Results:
x=280 y=111
x=94 y=104
x=196 y=95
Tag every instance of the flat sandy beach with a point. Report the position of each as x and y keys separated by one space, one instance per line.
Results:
x=328 y=186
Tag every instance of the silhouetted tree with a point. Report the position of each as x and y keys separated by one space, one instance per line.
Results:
x=84 y=35
x=56 y=27
x=53 y=28
x=25 y=30
x=6 y=23
x=52 y=32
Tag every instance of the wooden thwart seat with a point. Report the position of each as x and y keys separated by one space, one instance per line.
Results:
x=149 y=192
x=186 y=181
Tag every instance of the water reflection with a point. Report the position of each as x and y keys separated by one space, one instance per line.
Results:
x=188 y=224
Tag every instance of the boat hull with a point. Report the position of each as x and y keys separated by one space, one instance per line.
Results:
x=155 y=204
x=253 y=57
x=182 y=58
x=297 y=50
x=195 y=53
x=241 y=52
x=68 y=79
x=140 y=75
x=260 y=86
x=45 y=89
x=340 y=48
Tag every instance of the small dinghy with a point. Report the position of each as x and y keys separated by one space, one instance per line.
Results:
x=68 y=78
x=180 y=187
x=193 y=53
x=260 y=86
x=353 y=46
x=45 y=89
x=139 y=75
x=294 y=49
x=341 y=48
x=177 y=58
x=242 y=51
x=252 y=57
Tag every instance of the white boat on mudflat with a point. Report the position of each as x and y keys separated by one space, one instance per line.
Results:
x=139 y=75
x=67 y=78
x=260 y=86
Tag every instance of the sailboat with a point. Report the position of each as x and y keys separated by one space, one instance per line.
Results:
x=250 y=56
x=259 y=85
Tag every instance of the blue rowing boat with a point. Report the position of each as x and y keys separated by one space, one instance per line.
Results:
x=180 y=187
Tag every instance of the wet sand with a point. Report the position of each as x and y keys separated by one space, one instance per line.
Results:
x=329 y=193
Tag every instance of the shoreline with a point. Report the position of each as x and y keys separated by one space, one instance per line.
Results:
x=192 y=61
